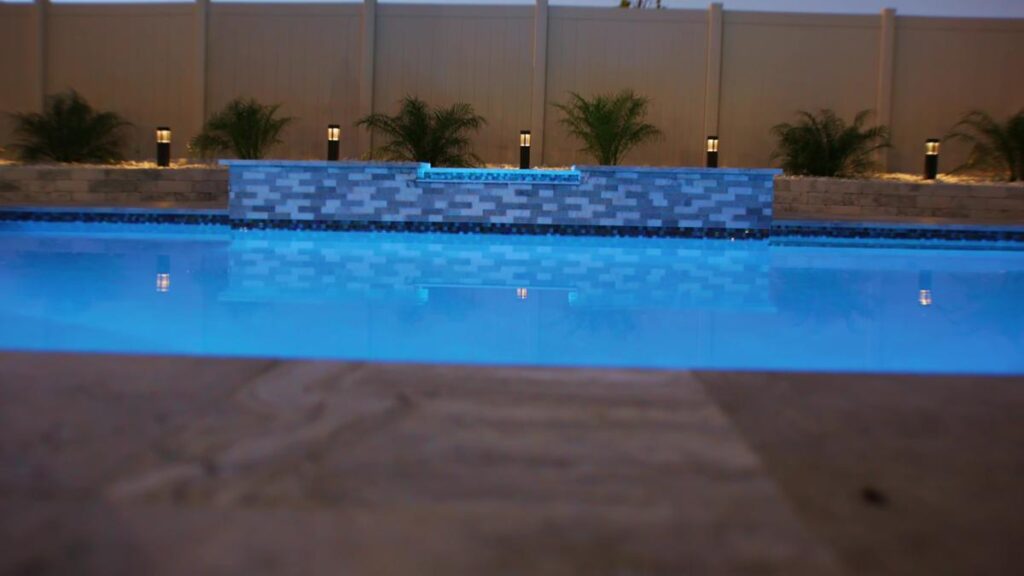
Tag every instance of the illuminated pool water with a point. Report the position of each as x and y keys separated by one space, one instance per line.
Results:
x=706 y=304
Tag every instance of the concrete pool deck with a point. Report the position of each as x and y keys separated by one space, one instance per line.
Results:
x=182 y=465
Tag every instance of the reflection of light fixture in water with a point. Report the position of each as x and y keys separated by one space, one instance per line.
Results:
x=333 y=141
x=924 y=288
x=524 y=149
x=924 y=297
x=163 y=273
x=522 y=293
x=712 y=159
x=574 y=297
x=423 y=295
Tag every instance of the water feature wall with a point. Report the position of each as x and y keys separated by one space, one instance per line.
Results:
x=587 y=200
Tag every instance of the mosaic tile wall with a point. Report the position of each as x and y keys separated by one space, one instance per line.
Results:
x=605 y=197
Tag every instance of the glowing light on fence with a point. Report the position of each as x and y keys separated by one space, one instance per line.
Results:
x=931 y=159
x=333 y=142
x=712 y=150
x=524 y=149
x=163 y=146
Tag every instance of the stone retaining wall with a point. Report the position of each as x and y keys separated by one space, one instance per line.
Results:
x=107 y=186
x=280 y=192
x=829 y=198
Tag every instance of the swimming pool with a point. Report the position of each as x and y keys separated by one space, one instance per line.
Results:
x=541 y=300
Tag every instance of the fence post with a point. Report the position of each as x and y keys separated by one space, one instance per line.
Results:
x=366 y=71
x=202 y=24
x=886 y=59
x=40 y=14
x=538 y=99
x=713 y=74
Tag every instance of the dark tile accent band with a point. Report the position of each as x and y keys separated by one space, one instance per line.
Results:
x=508 y=229
x=889 y=232
x=116 y=217
x=804 y=234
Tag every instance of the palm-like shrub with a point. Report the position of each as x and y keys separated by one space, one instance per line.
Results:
x=825 y=145
x=244 y=127
x=609 y=125
x=996 y=148
x=69 y=130
x=419 y=133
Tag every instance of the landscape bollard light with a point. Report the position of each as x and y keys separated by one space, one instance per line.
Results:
x=524 y=149
x=712 y=161
x=931 y=159
x=163 y=146
x=333 y=142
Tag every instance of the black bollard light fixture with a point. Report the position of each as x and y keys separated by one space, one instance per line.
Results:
x=333 y=142
x=931 y=159
x=712 y=149
x=163 y=146
x=524 y=149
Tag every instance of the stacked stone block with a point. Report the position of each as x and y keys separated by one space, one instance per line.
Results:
x=866 y=200
x=54 y=185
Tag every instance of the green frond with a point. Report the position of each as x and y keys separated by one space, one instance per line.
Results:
x=608 y=125
x=69 y=130
x=823 y=144
x=418 y=133
x=997 y=148
x=244 y=127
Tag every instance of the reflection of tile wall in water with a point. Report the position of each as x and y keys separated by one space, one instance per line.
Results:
x=597 y=276
x=606 y=197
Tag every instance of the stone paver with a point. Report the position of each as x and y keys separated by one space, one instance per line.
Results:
x=900 y=475
x=132 y=465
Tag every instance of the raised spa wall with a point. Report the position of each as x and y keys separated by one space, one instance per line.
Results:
x=662 y=200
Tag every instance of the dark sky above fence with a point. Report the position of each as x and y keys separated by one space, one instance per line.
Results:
x=982 y=8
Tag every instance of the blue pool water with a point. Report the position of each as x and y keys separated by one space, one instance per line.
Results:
x=707 y=304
